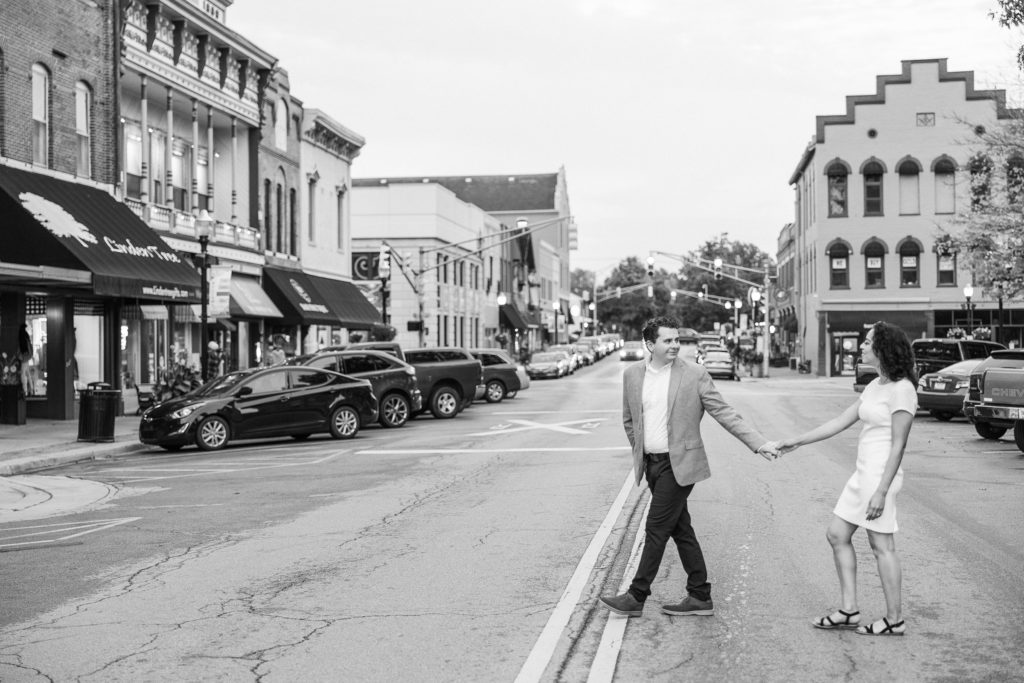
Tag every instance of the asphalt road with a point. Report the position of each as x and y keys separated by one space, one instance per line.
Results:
x=474 y=549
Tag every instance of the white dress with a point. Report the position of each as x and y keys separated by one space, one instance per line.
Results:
x=877 y=405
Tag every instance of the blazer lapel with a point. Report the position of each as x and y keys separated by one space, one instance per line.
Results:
x=675 y=379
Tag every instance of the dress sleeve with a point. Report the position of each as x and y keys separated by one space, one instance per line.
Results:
x=904 y=397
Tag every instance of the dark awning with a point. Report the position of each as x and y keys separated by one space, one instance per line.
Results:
x=510 y=317
x=248 y=300
x=348 y=301
x=49 y=222
x=299 y=300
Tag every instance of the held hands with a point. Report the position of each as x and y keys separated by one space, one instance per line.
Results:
x=775 y=449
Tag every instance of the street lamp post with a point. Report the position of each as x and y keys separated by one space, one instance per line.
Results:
x=204 y=225
x=555 y=305
x=968 y=293
x=737 y=305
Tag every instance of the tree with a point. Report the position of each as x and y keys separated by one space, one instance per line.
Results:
x=628 y=313
x=1011 y=15
x=988 y=235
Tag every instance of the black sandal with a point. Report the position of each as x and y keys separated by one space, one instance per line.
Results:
x=850 y=620
x=894 y=629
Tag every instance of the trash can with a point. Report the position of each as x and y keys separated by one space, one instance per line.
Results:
x=792 y=363
x=97 y=409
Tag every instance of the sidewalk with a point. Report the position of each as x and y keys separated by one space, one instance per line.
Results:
x=41 y=444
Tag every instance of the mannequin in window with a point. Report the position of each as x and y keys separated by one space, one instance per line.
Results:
x=25 y=358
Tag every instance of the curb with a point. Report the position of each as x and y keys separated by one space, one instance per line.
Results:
x=35 y=461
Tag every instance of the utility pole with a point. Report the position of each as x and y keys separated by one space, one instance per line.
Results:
x=767 y=325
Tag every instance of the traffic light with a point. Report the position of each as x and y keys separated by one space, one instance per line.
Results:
x=384 y=262
x=650 y=291
x=672 y=296
x=650 y=266
x=618 y=292
x=718 y=269
x=705 y=288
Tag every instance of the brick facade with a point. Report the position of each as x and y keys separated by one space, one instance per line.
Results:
x=75 y=42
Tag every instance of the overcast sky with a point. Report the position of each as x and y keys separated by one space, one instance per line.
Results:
x=675 y=120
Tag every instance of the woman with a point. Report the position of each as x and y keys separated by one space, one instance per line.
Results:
x=887 y=408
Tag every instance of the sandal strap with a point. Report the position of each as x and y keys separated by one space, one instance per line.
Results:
x=827 y=620
x=889 y=628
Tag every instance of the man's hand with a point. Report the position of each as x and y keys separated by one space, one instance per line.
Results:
x=769 y=451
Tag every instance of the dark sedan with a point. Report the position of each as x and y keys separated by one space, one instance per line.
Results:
x=261 y=403
x=942 y=393
x=393 y=380
x=501 y=375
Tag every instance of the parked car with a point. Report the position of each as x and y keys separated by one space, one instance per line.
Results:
x=449 y=378
x=501 y=374
x=632 y=350
x=981 y=405
x=931 y=355
x=720 y=363
x=575 y=357
x=393 y=348
x=393 y=380
x=548 y=364
x=261 y=403
x=942 y=393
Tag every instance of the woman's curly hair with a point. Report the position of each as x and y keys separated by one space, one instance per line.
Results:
x=895 y=355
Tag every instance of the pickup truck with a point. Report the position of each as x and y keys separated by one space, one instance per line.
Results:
x=449 y=379
x=995 y=396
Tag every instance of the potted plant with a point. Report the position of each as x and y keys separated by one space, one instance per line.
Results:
x=12 y=393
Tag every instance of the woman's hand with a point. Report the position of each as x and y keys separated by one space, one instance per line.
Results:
x=876 y=505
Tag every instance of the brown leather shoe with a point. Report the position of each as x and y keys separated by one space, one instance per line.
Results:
x=690 y=607
x=624 y=604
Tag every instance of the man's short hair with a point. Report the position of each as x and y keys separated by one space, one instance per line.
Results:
x=651 y=327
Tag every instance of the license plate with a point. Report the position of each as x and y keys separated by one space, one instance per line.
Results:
x=941 y=386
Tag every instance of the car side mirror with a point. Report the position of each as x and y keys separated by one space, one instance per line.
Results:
x=243 y=391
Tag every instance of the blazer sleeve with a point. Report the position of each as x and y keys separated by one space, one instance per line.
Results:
x=627 y=413
x=725 y=414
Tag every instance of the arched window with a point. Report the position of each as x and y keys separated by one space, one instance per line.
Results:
x=873 y=172
x=910 y=263
x=40 y=115
x=281 y=125
x=279 y=217
x=293 y=222
x=839 y=265
x=838 y=197
x=83 y=127
x=874 y=265
x=945 y=264
x=980 y=168
x=945 y=185
x=910 y=187
x=312 y=179
x=1015 y=180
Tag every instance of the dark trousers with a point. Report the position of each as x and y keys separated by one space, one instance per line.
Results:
x=669 y=517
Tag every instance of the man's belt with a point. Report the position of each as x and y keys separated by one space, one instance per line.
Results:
x=656 y=457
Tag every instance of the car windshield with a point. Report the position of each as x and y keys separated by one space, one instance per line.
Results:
x=633 y=345
x=222 y=385
x=718 y=355
x=938 y=351
x=964 y=367
x=547 y=357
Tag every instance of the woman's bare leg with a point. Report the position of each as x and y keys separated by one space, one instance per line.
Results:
x=840 y=535
x=884 y=548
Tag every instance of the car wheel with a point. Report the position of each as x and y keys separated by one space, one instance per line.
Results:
x=212 y=433
x=987 y=431
x=300 y=437
x=511 y=394
x=394 y=411
x=444 y=403
x=495 y=391
x=344 y=422
x=174 y=447
x=1018 y=434
x=942 y=415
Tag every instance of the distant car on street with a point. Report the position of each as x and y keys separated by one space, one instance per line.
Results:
x=261 y=403
x=720 y=363
x=548 y=364
x=632 y=350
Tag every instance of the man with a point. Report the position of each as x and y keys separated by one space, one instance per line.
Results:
x=663 y=401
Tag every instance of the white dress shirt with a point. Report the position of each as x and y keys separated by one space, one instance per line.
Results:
x=655 y=398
